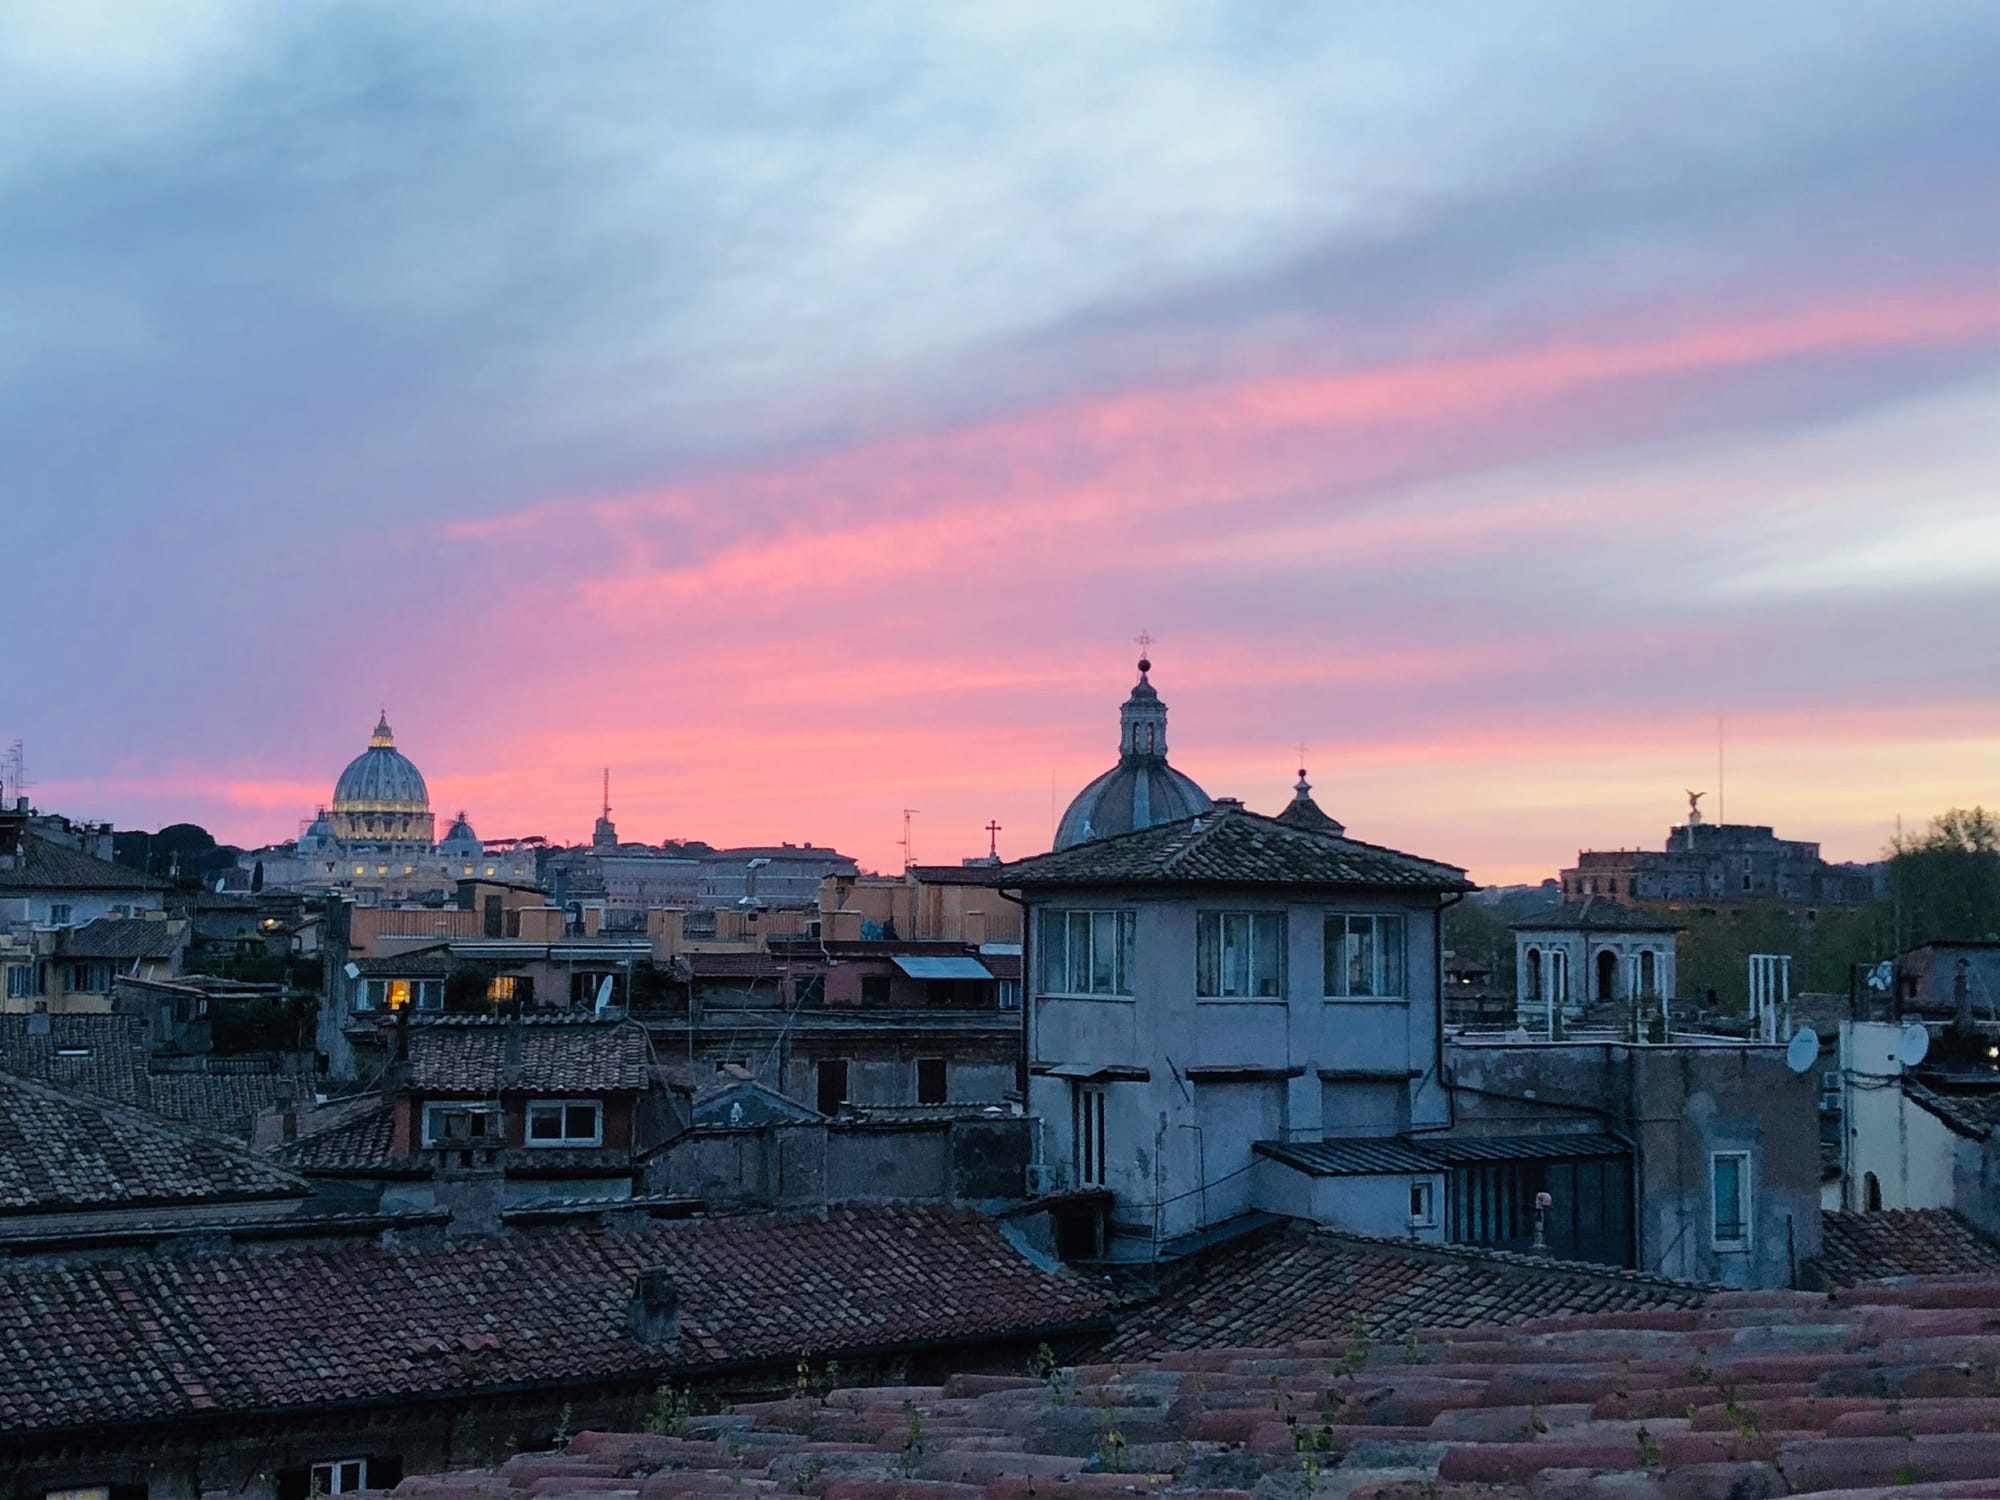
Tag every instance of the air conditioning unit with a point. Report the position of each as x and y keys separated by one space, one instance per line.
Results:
x=1042 y=1179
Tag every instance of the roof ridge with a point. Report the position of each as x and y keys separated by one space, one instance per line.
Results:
x=1514 y=1259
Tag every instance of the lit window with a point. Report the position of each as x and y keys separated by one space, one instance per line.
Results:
x=80 y=1492
x=468 y=870
x=399 y=993
x=489 y=870
x=561 y=1122
x=381 y=869
x=1364 y=956
x=502 y=987
x=1238 y=954
x=1729 y=1173
x=1087 y=952
x=361 y=869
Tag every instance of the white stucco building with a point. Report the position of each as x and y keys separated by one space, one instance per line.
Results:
x=1592 y=952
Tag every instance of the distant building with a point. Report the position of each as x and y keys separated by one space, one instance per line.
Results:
x=71 y=920
x=1596 y=951
x=376 y=837
x=1720 y=862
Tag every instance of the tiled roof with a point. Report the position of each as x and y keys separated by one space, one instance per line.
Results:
x=1597 y=914
x=1298 y=1283
x=1362 y=1156
x=1231 y=846
x=434 y=962
x=1970 y=1113
x=124 y=937
x=1882 y=1395
x=140 y=1340
x=555 y=1057
x=92 y=1054
x=1858 y=1247
x=225 y=1103
x=360 y=1139
x=42 y=865
x=62 y=1152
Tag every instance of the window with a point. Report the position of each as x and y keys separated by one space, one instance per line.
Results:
x=341 y=1476
x=80 y=1492
x=1087 y=1133
x=1423 y=1204
x=1010 y=994
x=503 y=987
x=1087 y=952
x=1239 y=953
x=564 y=1122
x=875 y=990
x=59 y=914
x=1729 y=1171
x=88 y=978
x=811 y=990
x=931 y=1088
x=831 y=1085
x=462 y=1124
x=1364 y=956
x=24 y=981
x=1871 y=1192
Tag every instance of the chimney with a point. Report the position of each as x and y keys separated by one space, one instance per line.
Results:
x=38 y=1021
x=654 y=1314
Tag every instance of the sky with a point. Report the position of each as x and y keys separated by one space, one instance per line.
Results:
x=800 y=410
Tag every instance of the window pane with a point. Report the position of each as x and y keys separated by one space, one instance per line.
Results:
x=1728 y=1197
x=1076 y=980
x=1207 y=953
x=581 y=1122
x=1103 y=952
x=1053 y=954
x=1268 y=954
x=1360 y=955
x=544 y=1123
x=1128 y=932
x=1334 y=966
x=1389 y=930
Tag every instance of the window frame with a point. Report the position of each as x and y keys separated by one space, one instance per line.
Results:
x=1089 y=1104
x=1053 y=955
x=1745 y=1215
x=563 y=1107
x=434 y=1140
x=1215 y=948
x=1423 y=1203
x=332 y=1468
x=1334 y=974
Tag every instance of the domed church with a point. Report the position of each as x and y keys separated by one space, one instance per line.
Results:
x=381 y=797
x=1142 y=789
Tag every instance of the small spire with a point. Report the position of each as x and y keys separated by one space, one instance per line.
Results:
x=1304 y=787
x=383 y=738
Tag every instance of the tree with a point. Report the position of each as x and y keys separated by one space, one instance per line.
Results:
x=1945 y=880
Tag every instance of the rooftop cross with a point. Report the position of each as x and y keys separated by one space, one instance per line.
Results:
x=993 y=839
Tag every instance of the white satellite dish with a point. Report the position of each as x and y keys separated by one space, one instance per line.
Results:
x=1882 y=976
x=352 y=971
x=1916 y=1042
x=1802 y=1052
x=604 y=995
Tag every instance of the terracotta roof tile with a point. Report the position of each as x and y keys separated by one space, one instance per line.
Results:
x=554 y=1057
x=226 y=1103
x=84 y=1344
x=1231 y=846
x=93 y=1054
x=43 y=865
x=62 y=1151
x=1753 y=1395
x=1858 y=1247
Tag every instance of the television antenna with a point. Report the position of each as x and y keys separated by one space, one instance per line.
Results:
x=14 y=772
x=909 y=848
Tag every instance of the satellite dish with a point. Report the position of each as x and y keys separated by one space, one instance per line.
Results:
x=1882 y=976
x=1916 y=1042
x=352 y=971
x=1803 y=1050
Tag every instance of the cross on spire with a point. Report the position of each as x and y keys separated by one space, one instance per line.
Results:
x=1144 y=641
x=1301 y=748
x=992 y=840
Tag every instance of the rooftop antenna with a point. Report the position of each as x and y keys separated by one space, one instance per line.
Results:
x=607 y=793
x=909 y=849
